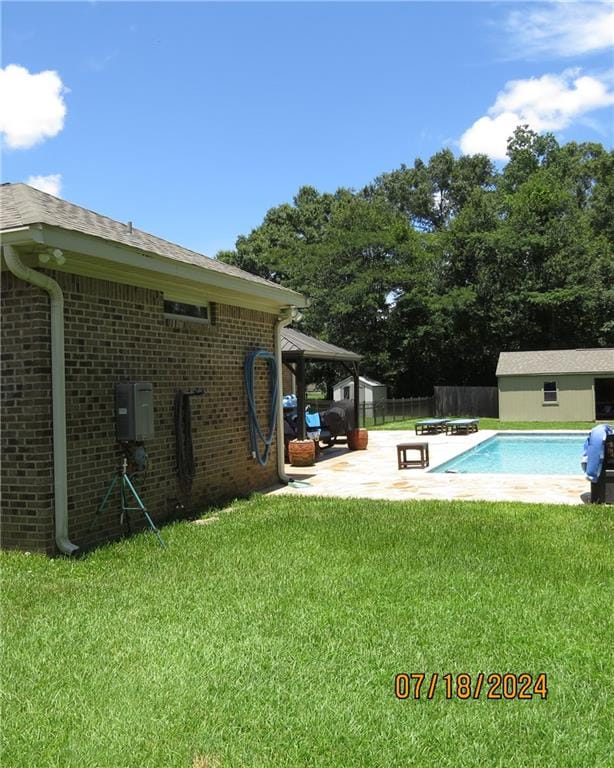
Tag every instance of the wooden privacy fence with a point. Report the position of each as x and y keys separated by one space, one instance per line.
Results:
x=466 y=401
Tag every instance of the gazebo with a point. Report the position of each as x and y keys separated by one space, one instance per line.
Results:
x=297 y=347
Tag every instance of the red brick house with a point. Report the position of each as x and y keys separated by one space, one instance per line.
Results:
x=88 y=302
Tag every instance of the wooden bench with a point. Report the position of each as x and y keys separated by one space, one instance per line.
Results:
x=405 y=463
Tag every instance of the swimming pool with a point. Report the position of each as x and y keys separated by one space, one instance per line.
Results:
x=521 y=454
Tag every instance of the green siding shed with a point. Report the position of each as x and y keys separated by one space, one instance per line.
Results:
x=556 y=385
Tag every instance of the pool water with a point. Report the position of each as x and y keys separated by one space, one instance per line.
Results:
x=513 y=454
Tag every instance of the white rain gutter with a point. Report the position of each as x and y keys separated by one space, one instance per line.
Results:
x=58 y=392
x=286 y=316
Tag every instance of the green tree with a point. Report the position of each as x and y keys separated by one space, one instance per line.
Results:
x=432 y=270
x=560 y=262
x=344 y=251
x=431 y=194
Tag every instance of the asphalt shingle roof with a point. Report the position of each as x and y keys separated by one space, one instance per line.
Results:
x=598 y=360
x=22 y=205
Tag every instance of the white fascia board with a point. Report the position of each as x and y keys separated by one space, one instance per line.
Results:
x=132 y=258
x=599 y=374
x=16 y=236
x=343 y=382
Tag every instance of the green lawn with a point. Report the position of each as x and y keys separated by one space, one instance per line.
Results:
x=272 y=637
x=486 y=423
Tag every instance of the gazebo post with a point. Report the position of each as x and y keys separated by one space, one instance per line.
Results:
x=353 y=371
x=300 y=396
x=356 y=395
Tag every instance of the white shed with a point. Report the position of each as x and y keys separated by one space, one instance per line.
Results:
x=370 y=390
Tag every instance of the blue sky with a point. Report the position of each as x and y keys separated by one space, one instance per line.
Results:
x=193 y=119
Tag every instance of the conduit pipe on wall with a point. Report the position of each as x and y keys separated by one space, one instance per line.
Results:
x=286 y=316
x=58 y=392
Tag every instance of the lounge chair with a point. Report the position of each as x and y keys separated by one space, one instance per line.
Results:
x=462 y=426
x=430 y=426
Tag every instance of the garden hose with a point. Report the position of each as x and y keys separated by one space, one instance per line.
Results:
x=256 y=433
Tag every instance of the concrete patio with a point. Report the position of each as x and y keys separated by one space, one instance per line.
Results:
x=373 y=474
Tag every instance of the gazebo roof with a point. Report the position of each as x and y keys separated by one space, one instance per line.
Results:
x=295 y=345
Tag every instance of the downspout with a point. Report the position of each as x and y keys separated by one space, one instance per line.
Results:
x=286 y=316
x=58 y=392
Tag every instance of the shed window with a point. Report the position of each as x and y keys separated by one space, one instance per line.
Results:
x=346 y=393
x=550 y=392
x=186 y=311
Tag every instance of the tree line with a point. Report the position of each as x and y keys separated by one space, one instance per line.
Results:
x=431 y=270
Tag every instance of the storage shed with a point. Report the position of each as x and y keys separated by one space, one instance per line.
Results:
x=370 y=390
x=556 y=385
x=89 y=303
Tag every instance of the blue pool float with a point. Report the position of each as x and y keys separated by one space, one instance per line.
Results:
x=594 y=451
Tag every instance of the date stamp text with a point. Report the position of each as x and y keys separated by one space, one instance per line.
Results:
x=493 y=686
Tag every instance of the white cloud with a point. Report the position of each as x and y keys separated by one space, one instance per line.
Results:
x=489 y=135
x=51 y=184
x=547 y=103
x=561 y=29
x=33 y=107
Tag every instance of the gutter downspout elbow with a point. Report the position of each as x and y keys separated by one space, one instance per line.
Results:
x=286 y=316
x=58 y=392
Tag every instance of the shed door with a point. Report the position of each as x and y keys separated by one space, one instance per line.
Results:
x=604 y=399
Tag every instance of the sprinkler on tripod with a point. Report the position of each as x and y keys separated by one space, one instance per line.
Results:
x=128 y=493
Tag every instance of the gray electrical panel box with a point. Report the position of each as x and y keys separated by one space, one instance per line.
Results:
x=134 y=411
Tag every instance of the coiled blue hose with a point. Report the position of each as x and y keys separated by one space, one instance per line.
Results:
x=255 y=430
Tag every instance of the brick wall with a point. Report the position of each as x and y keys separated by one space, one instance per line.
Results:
x=289 y=386
x=119 y=333
x=27 y=462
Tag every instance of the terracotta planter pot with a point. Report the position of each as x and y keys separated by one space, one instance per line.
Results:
x=302 y=453
x=358 y=439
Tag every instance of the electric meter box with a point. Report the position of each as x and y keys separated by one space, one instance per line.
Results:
x=134 y=411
